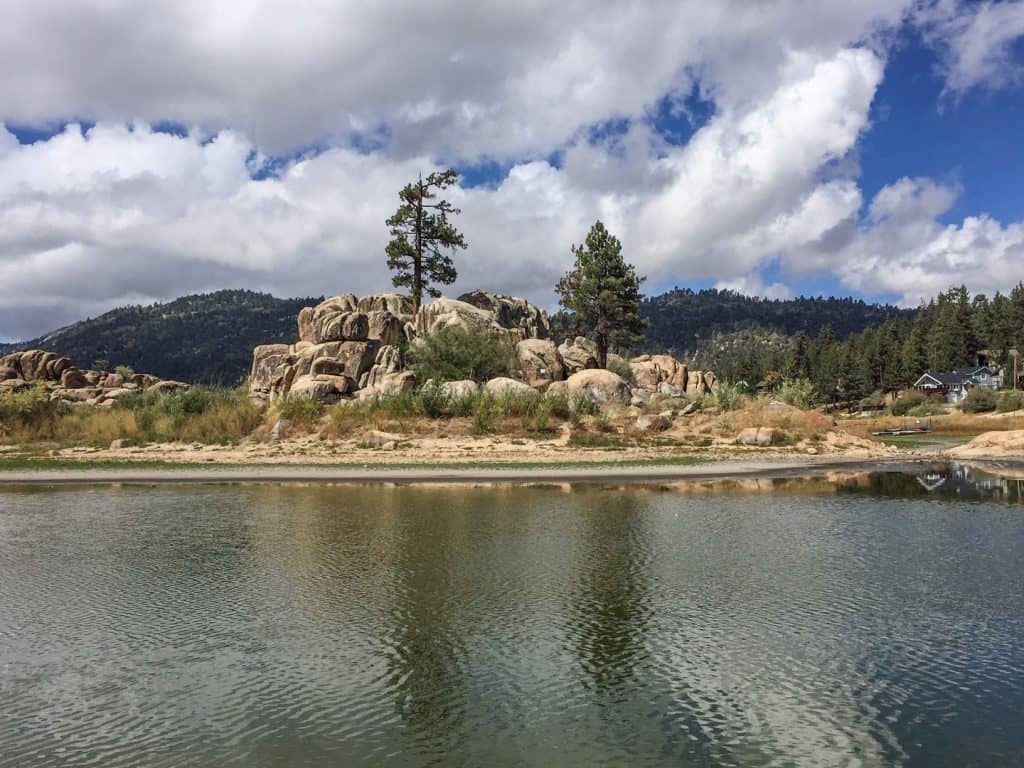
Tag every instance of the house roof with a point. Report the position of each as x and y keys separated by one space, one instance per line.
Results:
x=959 y=376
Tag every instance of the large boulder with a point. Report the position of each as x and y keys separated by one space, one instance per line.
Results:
x=759 y=436
x=578 y=354
x=525 y=320
x=600 y=385
x=449 y=312
x=650 y=371
x=506 y=386
x=388 y=360
x=271 y=365
x=384 y=326
x=458 y=390
x=355 y=357
x=340 y=326
x=73 y=378
x=395 y=303
x=323 y=389
x=540 y=362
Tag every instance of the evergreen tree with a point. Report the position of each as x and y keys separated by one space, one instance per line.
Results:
x=602 y=293
x=421 y=233
x=798 y=364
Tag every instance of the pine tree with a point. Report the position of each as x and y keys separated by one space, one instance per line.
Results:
x=421 y=234
x=602 y=293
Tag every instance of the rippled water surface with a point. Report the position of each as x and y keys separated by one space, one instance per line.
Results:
x=288 y=625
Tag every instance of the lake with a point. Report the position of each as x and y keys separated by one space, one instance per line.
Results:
x=874 y=621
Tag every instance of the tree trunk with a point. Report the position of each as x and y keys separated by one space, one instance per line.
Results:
x=417 y=268
x=602 y=350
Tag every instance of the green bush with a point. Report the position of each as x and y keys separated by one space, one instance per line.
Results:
x=303 y=411
x=797 y=392
x=621 y=368
x=909 y=399
x=979 y=400
x=28 y=406
x=729 y=396
x=558 y=403
x=124 y=371
x=1010 y=400
x=927 y=408
x=453 y=353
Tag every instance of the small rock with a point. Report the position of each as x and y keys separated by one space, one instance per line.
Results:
x=812 y=451
x=653 y=422
x=280 y=429
x=118 y=444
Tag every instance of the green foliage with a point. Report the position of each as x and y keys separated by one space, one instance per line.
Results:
x=621 y=368
x=26 y=407
x=797 y=392
x=421 y=234
x=1010 y=400
x=979 y=400
x=124 y=371
x=558 y=403
x=728 y=396
x=304 y=411
x=909 y=399
x=601 y=293
x=927 y=408
x=453 y=353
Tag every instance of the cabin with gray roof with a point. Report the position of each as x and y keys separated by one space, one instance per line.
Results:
x=953 y=386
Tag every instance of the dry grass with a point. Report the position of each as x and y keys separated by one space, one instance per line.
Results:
x=952 y=424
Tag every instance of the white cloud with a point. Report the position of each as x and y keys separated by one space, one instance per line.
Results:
x=905 y=250
x=121 y=213
x=975 y=41
x=446 y=78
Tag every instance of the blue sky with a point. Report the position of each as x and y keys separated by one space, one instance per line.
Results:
x=780 y=149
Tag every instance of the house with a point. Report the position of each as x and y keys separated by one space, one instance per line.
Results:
x=953 y=386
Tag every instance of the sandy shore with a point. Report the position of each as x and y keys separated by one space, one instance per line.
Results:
x=597 y=473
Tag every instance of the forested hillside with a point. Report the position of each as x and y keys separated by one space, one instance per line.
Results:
x=202 y=338
x=683 y=321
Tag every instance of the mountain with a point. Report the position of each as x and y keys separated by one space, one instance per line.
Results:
x=209 y=337
x=683 y=320
x=204 y=338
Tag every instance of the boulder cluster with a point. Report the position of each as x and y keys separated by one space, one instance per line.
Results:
x=351 y=347
x=63 y=380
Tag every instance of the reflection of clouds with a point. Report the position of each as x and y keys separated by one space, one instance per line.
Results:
x=757 y=651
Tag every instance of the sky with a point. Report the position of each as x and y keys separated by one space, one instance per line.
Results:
x=154 y=148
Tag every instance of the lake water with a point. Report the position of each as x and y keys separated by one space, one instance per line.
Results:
x=878 y=622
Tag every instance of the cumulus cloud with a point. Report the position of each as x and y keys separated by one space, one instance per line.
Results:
x=975 y=41
x=120 y=213
x=905 y=250
x=447 y=78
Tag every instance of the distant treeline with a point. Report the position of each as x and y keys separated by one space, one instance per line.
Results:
x=947 y=333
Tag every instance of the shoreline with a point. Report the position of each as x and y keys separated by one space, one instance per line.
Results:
x=654 y=472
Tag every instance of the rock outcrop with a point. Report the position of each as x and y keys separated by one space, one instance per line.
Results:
x=352 y=347
x=63 y=380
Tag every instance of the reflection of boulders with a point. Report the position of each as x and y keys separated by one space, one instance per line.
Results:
x=355 y=347
x=63 y=380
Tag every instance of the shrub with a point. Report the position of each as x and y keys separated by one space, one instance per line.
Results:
x=927 y=408
x=979 y=400
x=124 y=371
x=28 y=406
x=797 y=392
x=909 y=399
x=581 y=405
x=729 y=396
x=452 y=353
x=484 y=414
x=301 y=411
x=1010 y=400
x=621 y=368
x=558 y=403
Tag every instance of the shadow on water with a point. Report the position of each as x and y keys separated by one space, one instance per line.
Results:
x=940 y=481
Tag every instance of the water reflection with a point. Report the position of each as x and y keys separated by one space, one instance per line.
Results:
x=940 y=481
x=283 y=625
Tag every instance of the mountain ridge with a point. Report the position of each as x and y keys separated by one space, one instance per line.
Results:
x=208 y=337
